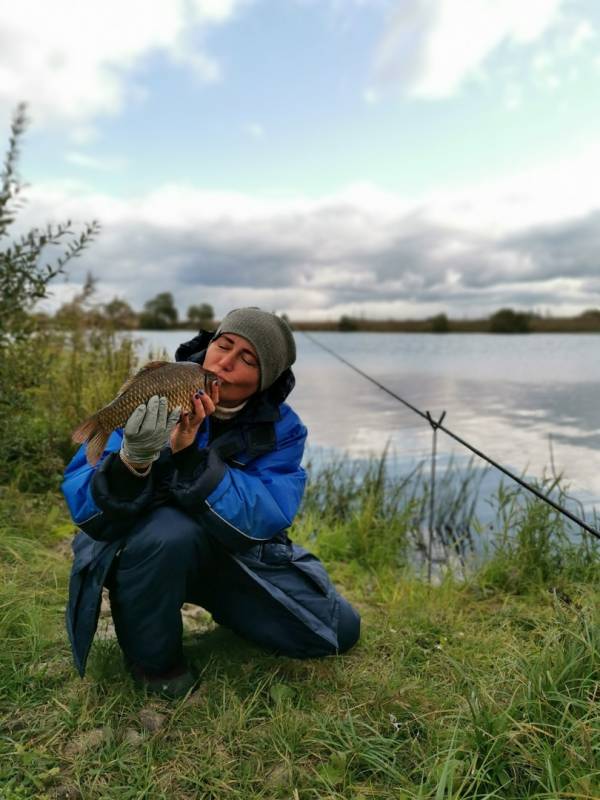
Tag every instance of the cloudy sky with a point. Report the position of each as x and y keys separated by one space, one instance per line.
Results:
x=318 y=157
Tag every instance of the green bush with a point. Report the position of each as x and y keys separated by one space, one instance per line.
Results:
x=159 y=313
x=440 y=324
x=32 y=357
x=53 y=382
x=347 y=324
x=508 y=321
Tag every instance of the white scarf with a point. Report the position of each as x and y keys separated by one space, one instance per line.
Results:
x=225 y=412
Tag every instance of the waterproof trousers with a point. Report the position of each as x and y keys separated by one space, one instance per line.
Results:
x=169 y=558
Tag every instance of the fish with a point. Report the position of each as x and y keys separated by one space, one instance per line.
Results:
x=177 y=381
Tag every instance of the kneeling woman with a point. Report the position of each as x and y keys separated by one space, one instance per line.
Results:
x=198 y=512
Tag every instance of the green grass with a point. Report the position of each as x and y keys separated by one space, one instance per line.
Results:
x=483 y=685
x=480 y=688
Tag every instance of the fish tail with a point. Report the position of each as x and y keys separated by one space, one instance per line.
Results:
x=91 y=431
x=96 y=447
x=86 y=430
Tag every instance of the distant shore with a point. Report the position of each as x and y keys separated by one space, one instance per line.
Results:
x=589 y=323
x=536 y=325
x=505 y=320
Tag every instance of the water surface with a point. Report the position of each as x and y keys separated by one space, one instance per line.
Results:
x=525 y=400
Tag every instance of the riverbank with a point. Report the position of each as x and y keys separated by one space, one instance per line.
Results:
x=479 y=687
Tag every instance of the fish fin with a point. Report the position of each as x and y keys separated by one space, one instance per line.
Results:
x=146 y=368
x=90 y=431
x=95 y=447
x=86 y=430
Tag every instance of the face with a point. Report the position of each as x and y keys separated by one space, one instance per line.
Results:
x=233 y=359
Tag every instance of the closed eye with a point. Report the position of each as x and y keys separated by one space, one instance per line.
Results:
x=248 y=358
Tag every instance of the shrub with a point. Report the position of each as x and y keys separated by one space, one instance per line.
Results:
x=24 y=277
x=508 y=321
x=347 y=324
x=159 y=312
x=440 y=324
x=27 y=347
x=55 y=382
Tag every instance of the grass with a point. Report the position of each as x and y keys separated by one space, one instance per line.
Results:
x=483 y=685
x=478 y=688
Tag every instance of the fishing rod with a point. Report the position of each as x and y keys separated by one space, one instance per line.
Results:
x=437 y=425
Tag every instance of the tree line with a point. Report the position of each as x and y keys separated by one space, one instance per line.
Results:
x=505 y=320
x=158 y=313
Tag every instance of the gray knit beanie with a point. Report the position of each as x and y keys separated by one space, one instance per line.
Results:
x=270 y=335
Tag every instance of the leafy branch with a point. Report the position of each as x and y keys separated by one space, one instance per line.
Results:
x=24 y=272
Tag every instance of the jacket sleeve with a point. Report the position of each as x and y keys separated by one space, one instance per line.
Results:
x=104 y=499
x=243 y=506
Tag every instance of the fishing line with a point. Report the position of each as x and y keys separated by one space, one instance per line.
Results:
x=437 y=425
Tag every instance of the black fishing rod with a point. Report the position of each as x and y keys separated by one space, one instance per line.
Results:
x=437 y=425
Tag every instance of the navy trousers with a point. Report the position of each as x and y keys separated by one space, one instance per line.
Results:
x=169 y=559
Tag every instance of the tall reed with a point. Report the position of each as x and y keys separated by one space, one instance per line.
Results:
x=49 y=384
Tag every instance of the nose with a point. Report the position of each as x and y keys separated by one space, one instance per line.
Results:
x=227 y=360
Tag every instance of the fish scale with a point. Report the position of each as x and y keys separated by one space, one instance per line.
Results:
x=177 y=381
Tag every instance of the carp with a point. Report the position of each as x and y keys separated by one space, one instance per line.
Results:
x=177 y=381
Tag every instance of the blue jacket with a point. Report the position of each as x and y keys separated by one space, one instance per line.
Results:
x=245 y=485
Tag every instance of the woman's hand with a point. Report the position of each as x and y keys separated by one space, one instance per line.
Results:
x=147 y=431
x=186 y=429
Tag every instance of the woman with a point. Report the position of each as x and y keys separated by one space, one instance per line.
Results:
x=197 y=510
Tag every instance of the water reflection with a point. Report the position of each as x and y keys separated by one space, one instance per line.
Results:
x=527 y=401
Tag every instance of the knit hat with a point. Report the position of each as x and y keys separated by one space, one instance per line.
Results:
x=270 y=335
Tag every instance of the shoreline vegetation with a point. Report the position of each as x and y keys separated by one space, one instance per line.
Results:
x=503 y=321
x=161 y=314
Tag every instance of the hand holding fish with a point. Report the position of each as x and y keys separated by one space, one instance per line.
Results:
x=204 y=405
x=147 y=431
x=174 y=382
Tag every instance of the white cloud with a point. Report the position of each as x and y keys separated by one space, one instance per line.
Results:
x=583 y=33
x=565 y=57
x=71 y=60
x=547 y=193
x=528 y=240
x=92 y=162
x=432 y=46
x=215 y=10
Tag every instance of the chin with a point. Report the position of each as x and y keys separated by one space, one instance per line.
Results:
x=226 y=399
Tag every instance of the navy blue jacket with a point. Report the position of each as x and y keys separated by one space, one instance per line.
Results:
x=244 y=485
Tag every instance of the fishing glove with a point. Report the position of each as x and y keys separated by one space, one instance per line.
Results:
x=148 y=430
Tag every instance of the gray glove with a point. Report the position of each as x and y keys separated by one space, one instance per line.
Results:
x=148 y=430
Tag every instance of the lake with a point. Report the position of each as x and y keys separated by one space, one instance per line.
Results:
x=524 y=400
